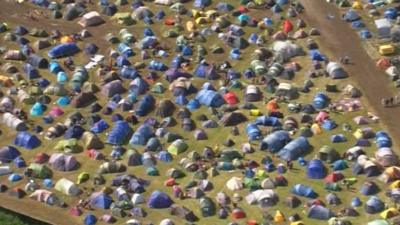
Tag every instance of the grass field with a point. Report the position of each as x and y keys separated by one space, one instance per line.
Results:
x=219 y=135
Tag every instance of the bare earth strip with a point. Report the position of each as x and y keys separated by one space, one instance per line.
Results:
x=341 y=40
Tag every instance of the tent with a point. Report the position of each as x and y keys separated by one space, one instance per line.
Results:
x=252 y=94
x=210 y=98
x=383 y=26
x=62 y=162
x=91 y=141
x=207 y=207
x=159 y=200
x=386 y=157
x=320 y=213
x=182 y=212
x=141 y=135
x=177 y=147
x=27 y=140
x=62 y=50
x=264 y=198
x=232 y=118
x=146 y=104
x=316 y=169
x=8 y=154
x=275 y=141
x=351 y=15
x=67 y=145
x=112 y=88
x=378 y=222
x=119 y=133
x=100 y=200
x=67 y=187
x=165 y=108
x=303 y=190
x=40 y=171
x=45 y=196
x=234 y=184
x=111 y=167
x=335 y=70
x=328 y=154
x=374 y=205
x=294 y=149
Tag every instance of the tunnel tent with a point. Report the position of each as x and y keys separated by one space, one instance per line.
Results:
x=13 y=122
x=67 y=187
x=336 y=71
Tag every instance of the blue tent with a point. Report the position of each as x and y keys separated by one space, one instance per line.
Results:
x=145 y=105
x=125 y=50
x=201 y=3
x=390 y=13
x=374 y=205
x=320 y=100
x=63 y=101
x=329 y=124
x=75 y=131
x=253 y=132
x=357 y=24
x=210 y=98
x=281 y=2
x=369 y=188
x=30 y=71
x=276 y=8
x=365 y=34
x=339 y=165
x=224 y=7
x=315 y=55
x=37 y=109
x=26 y=140
x=316 y=169
x=63 y=50
x=129 y=73
x=122 y=61
x=139 y=86
x=159 y=200
x=187 y=51
x=294 y=149
x=355 y=202
x=319 y=212
x=119 y=133
x=193 y=104
x=275 y=141
x=55 y=67
x=19 y=162
x=382 y=139
x=14 y=177
x=336 y=138
x=148 y=32
x=164 y=156
x=142 y=135
x=363 y=143
x=205 y=71
x=303 y=190
x=99 y=126
x=267 y=121
x=157 y=65
x=90 y=219
x=101 y=201
x=8 y=153
x=181 y=100
x=351 y=15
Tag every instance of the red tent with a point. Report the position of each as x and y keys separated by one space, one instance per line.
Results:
x=238 y=213
x=334 y=177
x=287 y=26
x=231 y=98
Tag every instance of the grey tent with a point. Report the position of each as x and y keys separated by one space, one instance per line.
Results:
x=83 y=99
x=13 y=122
x=41 y=44
x=111 y=167
x=335 y=70
x=182 y=212
x=232 y=118
x=91 y=19
x=91 y=141
x=384 y=27
x=165 y=108
x=112 y=88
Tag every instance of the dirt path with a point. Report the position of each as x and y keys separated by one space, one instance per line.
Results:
x=341 y=40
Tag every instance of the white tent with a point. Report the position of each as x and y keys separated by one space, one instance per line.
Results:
x=384 y=27
x=12 y=121
x=67 y=187
x=91 y=19
x=259 y=196
x=137 y=199
x=164 y=2
x=234 y=184
x=5 y=170
x=287 y=49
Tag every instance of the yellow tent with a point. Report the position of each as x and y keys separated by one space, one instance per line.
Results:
x=358 y=134
x=260 y=174
x=316 y=129
x=357 y=5
x=395 y=184
x=190 y=26
x=211 y=13
x=389 y=213
x=196 y=13
x=279 y=217
x=201 y=20
x=255 y=112
x=297 y=223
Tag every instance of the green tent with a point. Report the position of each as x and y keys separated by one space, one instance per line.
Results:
x=158 y=88
x=152 y=171
x=332 y=187
x=68 y=146
x=124 y=18
x=83 y=177
x=228 y=155
x=251 y=183
x=177 y=147
x=40 y=171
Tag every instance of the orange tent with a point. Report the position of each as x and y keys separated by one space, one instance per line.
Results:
x=287 y=26
x=6 y=81
x=66 y=39
x=383 y=63
x=169 y=21
x=272 y=106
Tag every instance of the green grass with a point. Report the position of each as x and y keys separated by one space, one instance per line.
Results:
x=8 y=217
x=215 y=136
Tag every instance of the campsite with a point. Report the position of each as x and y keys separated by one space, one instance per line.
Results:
x=198 y=112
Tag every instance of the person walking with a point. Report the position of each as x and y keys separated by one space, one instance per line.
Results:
x=391 y=101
